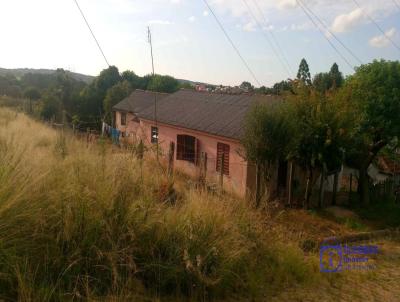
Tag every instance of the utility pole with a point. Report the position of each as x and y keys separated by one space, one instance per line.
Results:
x=155 y=93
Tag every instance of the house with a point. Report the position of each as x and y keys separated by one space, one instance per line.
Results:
x=198 y=127
x=125 y=117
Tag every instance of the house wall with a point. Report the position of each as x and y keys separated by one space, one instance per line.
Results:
x=130 y=129
x=235 y=182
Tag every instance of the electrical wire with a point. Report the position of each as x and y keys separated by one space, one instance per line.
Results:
x=395 y=3
x=91 y=31
x=331 y=33
x=266 y=37
x=231 y=42
x=273 y=35
x=326 y=38
x=377 y=26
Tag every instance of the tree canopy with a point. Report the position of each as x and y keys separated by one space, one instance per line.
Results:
x=304 y=74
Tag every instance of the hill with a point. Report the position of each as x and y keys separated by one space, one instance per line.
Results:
x=19 y=72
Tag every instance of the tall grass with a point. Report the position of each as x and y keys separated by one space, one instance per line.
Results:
x=80 y=222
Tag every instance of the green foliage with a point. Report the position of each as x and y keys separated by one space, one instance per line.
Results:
x=336 y=76
x=115 y=95
x=280 y=88
x=246 y=86
x=323 y=129
x=266 y=134
x=325 y=81
x=303 y=74
x=161 y=83
x=32 y=93
x=51 y=106
x=374 y=94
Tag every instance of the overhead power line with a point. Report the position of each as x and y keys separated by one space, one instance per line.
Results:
x=330 y=32
x=273 y=35
x=395 y=3
x=377 y=26
x=231 y=42
x=91 y=31
x=266 y=37
x=326 y=38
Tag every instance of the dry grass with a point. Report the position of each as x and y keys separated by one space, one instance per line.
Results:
x=84 y=222
x=80 y=222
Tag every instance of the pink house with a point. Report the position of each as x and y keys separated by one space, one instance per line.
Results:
x=201 y=129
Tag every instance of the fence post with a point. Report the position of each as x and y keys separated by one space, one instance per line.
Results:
x=171 y=153
x=290 y=189
x=87 y=136
x=201 y=169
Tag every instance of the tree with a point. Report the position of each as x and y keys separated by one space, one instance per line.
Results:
x=265 y=138
x=336 y=76
x=246 y=86
x=32 y=93
x=374 y=93
x=51 y=106
x=115 y=95
x=303 y=74
x=325 y=81
x=93 y=95
x=161 y=83
x=322 y=133
x=134 y=80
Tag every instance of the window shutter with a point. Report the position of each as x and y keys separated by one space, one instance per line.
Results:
x=223 y=149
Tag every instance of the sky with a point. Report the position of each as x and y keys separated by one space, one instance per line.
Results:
x=189 y=44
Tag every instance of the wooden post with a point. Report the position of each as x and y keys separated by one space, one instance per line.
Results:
x=171 y=153
x=87 y=136
x=335 y=185
x=201 y=169
x=290 y=186
x=221 y=172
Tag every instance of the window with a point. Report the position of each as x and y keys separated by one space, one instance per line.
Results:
x=223 y=149
x=186 y=148
x=123 y=119
x=154 y=135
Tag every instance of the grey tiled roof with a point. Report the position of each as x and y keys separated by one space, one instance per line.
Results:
x=138 y=101
x=213 y=113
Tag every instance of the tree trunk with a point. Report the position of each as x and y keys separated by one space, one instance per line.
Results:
x=335 y=187
x=308 y=189
x=321 y=188
x=363 y=185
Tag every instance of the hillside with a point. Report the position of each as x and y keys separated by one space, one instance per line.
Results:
x=91 y=222
x=19 y=72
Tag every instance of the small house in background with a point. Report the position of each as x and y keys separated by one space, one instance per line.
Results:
x=201 y=129
x=126 y=113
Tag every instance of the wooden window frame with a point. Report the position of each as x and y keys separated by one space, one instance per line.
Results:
x=223 y=149
x=187 y=147
x=154 y=138
x=123 y=118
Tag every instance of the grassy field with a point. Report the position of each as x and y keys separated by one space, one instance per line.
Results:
x=82 y=222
